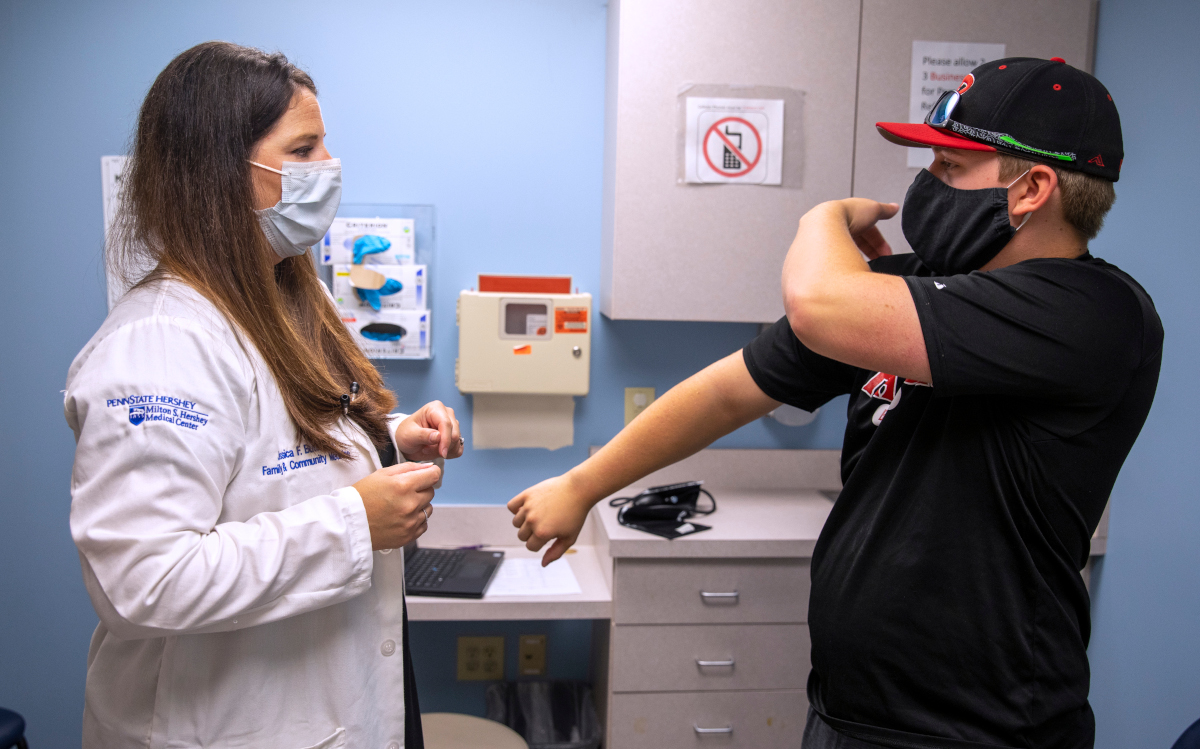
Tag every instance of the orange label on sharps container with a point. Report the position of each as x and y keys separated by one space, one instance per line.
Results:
x=526 y=349
x=570 y=319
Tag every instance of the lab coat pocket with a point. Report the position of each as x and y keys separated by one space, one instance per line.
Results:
x=336 y=741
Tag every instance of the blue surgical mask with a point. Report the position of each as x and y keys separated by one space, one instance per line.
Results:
x=312 y=192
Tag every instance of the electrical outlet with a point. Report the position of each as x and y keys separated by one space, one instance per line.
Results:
x=480 y=658
x=636 y=401
x=531 y=655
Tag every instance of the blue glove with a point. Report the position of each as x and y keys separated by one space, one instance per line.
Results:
x=369 y=244
x=382 y=331
x=371 y=296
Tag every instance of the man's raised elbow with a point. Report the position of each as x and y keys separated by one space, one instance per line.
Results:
x=799 y=306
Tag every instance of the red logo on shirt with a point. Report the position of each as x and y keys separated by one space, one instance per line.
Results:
x=886 y=387
x=881 y=386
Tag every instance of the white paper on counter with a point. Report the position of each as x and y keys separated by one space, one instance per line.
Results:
x=527 y=577
x=938 y=67
x=504 y=421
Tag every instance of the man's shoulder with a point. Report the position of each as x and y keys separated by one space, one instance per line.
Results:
x=1101 y=266
x=1089 y=289
x=1082 y=275
x=1151 y=322
x=1092 y=276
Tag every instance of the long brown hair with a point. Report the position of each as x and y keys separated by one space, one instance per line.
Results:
x=188 y=213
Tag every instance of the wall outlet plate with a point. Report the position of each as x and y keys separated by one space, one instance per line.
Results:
x=480 y=658
x=531 y=655
x=636 y=401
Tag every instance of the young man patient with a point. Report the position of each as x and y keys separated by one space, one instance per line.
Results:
x=998 y=377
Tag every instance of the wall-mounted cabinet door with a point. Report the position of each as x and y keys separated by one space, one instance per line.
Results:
x=679 y=251
x=1027 y=28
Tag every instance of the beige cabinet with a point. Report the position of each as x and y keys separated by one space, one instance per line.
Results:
x=677 y=251
x=711 y=591
x=709 y=657
x=737 y=720
x=703 y=649
x=708 y=640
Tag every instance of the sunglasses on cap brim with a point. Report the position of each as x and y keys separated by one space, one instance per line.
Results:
x=939 y=116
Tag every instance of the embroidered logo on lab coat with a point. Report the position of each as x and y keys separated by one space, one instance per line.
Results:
x=181 y=412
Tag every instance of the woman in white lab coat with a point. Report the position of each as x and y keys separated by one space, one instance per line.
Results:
x=231 y=509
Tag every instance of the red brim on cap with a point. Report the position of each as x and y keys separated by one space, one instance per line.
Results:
x=908 y=134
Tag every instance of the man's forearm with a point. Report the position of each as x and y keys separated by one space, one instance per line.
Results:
x=838 y=307
x=821 y=263
x=686 y=419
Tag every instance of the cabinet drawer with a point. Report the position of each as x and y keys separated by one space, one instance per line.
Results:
x=650 y=658
x=759 y=720
x=711 y=591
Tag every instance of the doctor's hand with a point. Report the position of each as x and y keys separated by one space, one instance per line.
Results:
x=554 y=509
x=397 y=500
x=861 y=217
x=431 y=432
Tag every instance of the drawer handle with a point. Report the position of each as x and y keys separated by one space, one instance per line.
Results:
x=715 y=664
x=707 y=596
x=703 y=731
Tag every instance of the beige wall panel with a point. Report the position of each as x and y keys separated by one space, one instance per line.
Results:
x=1029 y=28
x=714 y=252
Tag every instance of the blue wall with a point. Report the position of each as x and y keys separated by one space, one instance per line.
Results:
x=1145 y=650
x=492 y=111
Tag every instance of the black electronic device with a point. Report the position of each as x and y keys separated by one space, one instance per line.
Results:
x=450 y=573
x=665 y=510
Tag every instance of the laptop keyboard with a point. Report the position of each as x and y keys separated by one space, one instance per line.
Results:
x=429 y=568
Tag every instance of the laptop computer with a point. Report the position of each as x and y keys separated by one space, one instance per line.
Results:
x=452 y=573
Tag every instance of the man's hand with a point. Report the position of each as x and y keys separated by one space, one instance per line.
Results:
x=432 y=432
x=397 y=500
x=861 y=217
x=554 y=509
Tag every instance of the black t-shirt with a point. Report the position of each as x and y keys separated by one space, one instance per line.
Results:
x=947 y=607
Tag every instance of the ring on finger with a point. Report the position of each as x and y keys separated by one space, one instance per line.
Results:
x=426 y=511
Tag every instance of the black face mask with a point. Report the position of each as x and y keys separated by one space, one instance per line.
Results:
x=955 y=231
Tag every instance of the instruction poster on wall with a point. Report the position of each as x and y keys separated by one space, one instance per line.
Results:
x=938 y=67
x=112 y=169
x=734 y=141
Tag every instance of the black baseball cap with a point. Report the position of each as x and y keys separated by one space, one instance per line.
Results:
x=1041 y=110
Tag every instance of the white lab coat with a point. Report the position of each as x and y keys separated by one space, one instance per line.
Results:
x=240 y=602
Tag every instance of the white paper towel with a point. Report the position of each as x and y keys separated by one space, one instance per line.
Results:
x=500 y=421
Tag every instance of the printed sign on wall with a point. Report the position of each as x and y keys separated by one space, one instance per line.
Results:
x=734 y=141
x=938 y=67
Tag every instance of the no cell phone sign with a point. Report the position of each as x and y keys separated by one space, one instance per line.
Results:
x=734 y=141
x=732 y=147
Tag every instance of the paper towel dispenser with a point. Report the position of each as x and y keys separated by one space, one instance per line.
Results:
x=524 y=334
